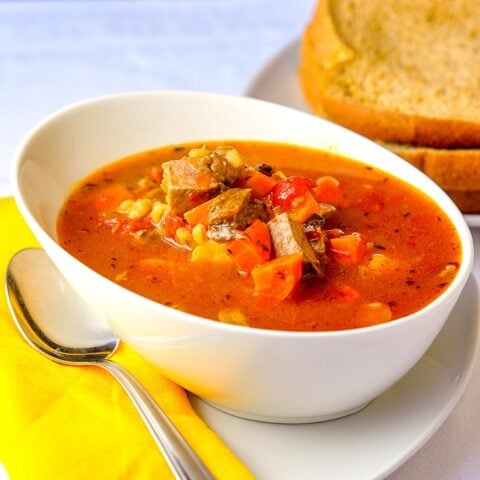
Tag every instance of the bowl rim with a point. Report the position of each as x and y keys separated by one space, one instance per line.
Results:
x=461 y=227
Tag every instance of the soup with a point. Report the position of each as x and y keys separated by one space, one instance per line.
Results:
x=260 y=234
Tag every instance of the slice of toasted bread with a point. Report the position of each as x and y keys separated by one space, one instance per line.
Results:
x=468 y=201
x=452 y=169
x=457 y=171
x=404 y=71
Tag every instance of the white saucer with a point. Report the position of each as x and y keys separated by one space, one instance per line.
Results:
x=278 y=82
x=375 y=441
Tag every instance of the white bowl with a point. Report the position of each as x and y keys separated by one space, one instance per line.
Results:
x=260 y=374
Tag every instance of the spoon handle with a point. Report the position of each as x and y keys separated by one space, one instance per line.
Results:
x=183 y=461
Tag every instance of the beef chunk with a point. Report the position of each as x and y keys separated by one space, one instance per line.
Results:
x=255 y=209
x=225 y=171
x=228 y=207
x=317 y=238
x=232 y=211
x=288 y=237
x=224 y=232
x=185 y=185
x=225 y=163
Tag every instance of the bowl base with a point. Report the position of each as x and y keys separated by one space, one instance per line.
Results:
x=274 y=419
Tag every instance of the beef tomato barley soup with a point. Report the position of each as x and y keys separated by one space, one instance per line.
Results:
x=262 y=234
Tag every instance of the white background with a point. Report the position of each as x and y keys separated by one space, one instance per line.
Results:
x=55 y=53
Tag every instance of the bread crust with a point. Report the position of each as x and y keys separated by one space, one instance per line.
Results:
x=457 y=169
x=466 y=201
x=322 y=51
x=395 y=126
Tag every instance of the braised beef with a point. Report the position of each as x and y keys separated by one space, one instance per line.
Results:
x=228 y=206
x=313 y=229
x=288 y=237
x=185 y=185
x=223 y=170
x=224 y=232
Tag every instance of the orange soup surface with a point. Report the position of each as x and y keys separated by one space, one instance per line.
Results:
x=261 y=234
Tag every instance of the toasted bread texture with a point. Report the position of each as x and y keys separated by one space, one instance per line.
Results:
x=405 y=71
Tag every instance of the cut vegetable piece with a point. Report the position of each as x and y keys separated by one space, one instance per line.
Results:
x=348 y=248
x=211 y=251
x=245 y=254
x=374 y=313
x=277 y=278
x=259 y=235
x=171 y=223
x=308 y=207
x=286 y=191
x=198 y=214
x=233 y=316
x=259 y=183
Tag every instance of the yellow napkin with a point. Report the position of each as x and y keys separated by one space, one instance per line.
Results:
x=76 y=422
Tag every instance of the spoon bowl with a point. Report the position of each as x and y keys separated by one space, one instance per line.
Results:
x=57 y=323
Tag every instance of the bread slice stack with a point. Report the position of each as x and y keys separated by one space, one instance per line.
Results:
x=405 y=73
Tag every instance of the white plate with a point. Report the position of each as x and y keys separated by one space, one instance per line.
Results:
x=278 y=82
x=377 y=440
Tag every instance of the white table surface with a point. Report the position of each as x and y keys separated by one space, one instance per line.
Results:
x=54 y=53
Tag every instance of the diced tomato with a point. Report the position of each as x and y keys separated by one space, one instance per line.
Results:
x=144 y=223
x=277 y=278
x=286 y=191
x=259 y=183
x=171 y=223
x=120 y=224
x=349 y=248
x=327 y=190
x=155 y=174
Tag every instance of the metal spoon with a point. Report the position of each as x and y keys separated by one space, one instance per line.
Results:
x=54 y=320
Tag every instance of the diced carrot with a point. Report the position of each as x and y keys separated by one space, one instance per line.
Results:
x=198 y=214
x=327 y=190
x=277 y=278
x=171 y=223
x=349 y=248
x=258 y=182
x=110 y=197
x=305 y=209
x=245 y=254
x=253 y=250
x=259 y=235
